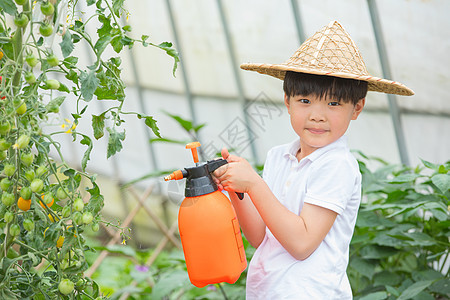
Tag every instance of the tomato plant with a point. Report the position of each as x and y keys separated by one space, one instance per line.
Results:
x=46 y=205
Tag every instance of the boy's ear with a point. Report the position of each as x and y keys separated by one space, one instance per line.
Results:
x=286 y=100
x=358 y=108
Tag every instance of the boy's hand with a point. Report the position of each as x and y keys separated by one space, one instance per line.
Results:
x=236 y=176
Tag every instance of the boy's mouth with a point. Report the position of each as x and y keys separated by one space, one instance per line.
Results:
x=316 y=130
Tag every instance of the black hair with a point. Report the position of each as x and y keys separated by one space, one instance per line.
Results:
x=342 y=89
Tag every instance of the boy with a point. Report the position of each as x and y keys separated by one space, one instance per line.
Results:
x=301 y=216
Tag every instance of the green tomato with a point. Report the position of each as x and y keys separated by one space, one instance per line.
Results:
x=31 y=60
x=28 y=225
x=21 y=20
x=5 y=127
x=65 y=212
x=30 y=78
x=46 y=29
x=37 y=185
x=41 y=170
x=27 y=158
x=8 y=199
x=52 y=60
x=61 y=193
x=95 y=227
x=48 y=198
x=87 y=217
x=23 y=141
x=22 y=109
x=14 y=230
x=3 y=155
x=47 y=8
x=52 y=84
x=29 y=175
x=8 y=217
x=5 y=183
x=25 y=193
x=9 y=170
x=20 y=2
x=77 y=218
x=4 y=144
x=78 y=204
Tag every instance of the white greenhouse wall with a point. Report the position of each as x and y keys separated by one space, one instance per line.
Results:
x=417 y=37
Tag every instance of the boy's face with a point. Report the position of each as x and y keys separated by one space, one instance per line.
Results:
x=319 y=122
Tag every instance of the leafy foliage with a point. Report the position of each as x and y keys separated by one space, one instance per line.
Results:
x=400 y=248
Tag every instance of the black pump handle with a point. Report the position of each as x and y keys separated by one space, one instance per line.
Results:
x=217 y=163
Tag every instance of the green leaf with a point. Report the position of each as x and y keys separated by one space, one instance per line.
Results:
x=120 y=249
x=430 y=165
x=66 y=44
x=169 y=282
x=166 y=46
x=164 y=140
x=117 y=7
x=150 y=122
x=102 y=43
x=70 y=62
x=98 y=125
x=96 y=201
x=442 y=181
x=186 y=124
x=55 y=103
x=114 y=142
x=375 y=252
x=86 y=141
x=106 y=27
x=375 y=296
x=363 y=266
x=405 y=178
x=387 y=278
x=415 y=289
x=89 y=83
x=116 y=43
x=9 y=7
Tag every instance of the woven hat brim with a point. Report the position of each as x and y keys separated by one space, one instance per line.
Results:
x=374 y=83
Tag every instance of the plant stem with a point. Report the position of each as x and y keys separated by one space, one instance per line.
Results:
x=222 y=291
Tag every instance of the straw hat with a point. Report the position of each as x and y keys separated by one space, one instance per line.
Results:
x=332 y=52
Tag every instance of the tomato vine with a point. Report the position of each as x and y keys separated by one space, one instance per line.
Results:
x=44 y=209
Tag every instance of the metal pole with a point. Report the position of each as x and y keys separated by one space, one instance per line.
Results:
x=234 y=64
x=298 y=22
x=393 y=106
x=186 y=84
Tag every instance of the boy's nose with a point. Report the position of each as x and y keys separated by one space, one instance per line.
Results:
x=317 y=116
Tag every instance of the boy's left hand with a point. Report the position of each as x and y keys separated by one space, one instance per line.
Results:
x=236 y=176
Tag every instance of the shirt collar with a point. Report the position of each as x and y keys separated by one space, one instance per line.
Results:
x=292 y=148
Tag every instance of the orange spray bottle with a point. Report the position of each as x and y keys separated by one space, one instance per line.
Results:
x=209 y=229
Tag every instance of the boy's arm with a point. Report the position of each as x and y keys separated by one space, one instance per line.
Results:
x=250 y=221
x=300 y=234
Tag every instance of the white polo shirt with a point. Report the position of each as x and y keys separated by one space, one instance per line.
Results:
x=328 y=177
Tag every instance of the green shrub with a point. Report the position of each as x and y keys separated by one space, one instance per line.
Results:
x=400 y=247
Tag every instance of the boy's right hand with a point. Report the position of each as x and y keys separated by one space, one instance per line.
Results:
x=236 y=176
x=222 y=170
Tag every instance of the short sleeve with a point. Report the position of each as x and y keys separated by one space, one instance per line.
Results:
x=331 y=183
x=267 y=164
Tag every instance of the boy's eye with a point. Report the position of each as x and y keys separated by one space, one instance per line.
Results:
x=304 y=101
x=333 y=103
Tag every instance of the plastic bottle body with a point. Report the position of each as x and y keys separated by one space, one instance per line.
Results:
x=211 y=239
